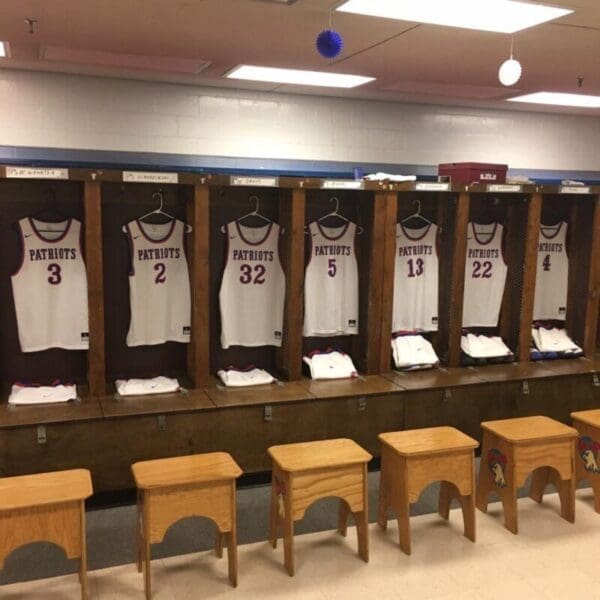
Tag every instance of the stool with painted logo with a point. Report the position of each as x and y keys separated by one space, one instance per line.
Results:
x=170 y=489
x=47 y=507
x=514 y=448
x=587 y=459
x=306 y=472
x=411 y=460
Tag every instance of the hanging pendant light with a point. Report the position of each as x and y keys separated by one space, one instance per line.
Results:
x=510 y=70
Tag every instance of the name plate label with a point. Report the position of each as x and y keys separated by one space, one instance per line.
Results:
x=36 y=173
x=426 y=186
x=575 y=189
x=254 y=181
x=342 y=184
x=502 y=187
x=148 y=177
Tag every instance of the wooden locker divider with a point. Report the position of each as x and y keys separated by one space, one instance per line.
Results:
x=387 y=300
x=593 y=286
x=459 y=251
x=198 y=256
x=94 y=266
x=291 y=217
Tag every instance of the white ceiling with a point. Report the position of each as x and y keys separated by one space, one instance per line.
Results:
x=169 y=40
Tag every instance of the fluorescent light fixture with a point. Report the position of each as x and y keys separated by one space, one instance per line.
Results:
x=504 y=16
x=297 y=77
x=559 y=99
x=3 y=49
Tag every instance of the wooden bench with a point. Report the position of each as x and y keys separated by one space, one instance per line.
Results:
x=48 y=507
x=412 y=460
x=306 y=472
x=512 y=449
x=587 y=459
x=170 y=489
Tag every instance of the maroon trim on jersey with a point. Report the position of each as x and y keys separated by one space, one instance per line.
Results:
x=415 y=239
x=22 y=242
x=161 y=240
x=551 y=237
x=81 y=247
x=242 y=370
x=239 y=230
x=492 y=234
x=333 y=239
x=131 y=253
x=58 y=239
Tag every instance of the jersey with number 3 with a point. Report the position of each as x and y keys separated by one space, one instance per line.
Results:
x=415 y=279
x=50 y=287
x=331 y=282
x=485 y=275
x=552 y=277
x=252 y=293
x=159 y=284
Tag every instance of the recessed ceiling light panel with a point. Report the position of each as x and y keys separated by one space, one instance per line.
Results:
x=297 y=77
x=3 y=49
x=504 y=16
x=559 y=99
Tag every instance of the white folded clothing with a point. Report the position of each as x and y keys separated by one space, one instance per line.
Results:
x=232 y=377
x=518 y=179
x=572 y=182
x=380 y=176
x=140 y=387
x=554 y=340
x=412 y=351
x=483 y=346
x=41 y=394
x=330 y=365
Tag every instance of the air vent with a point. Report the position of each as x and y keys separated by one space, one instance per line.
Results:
x=99 y=58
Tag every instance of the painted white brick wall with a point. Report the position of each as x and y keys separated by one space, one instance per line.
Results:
x=63 y=111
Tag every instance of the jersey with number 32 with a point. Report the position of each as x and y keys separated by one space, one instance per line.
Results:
x=50 y=287
x=331 y=282
x=252 y=293
x=159 y=284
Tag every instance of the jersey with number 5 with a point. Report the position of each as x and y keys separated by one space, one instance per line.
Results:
x=252 y=293
x=159 y=284
x=415 y=279
x=50 y=287
x=331 y=282
x=485 y=275
x=552 y=276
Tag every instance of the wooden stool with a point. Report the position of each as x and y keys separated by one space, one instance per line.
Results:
x=304 y=473
x=49 y=507
x=411 y=460
x=170 y=489
x=513 y=448
x=587 y=461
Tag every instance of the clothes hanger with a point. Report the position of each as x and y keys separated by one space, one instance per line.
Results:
x=417 y=214
x=159 y=211
x=336 y=214
x=253 y=213
x=57 y=216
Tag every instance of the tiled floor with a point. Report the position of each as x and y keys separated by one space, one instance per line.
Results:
x=549 y=559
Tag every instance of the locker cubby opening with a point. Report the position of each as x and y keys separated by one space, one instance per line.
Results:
x=122 y=203
x=359 y=208
x=512 y=212
x=228 y=204
x=42 y=199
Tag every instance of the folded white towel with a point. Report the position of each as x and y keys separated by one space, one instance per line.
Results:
x=232 y=377
x=553 y=340
x=330 y=365
x=380 y=176
x=482 y=346
x=412 y=351
x=139 y=387
x=41 y=394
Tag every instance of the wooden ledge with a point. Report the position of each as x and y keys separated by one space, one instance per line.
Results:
x=435 y=378
x=573 y=366
x=367 y=385
x=273 y=393
x=515 y=371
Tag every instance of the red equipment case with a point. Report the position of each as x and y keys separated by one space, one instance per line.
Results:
x=472 y=172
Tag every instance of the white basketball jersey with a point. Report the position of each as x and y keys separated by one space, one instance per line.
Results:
x=331 y=282
x=50 y=287
x=159 y=284
x=252 y=290
x=485 y=275
x=415 y=279
x=552 y=276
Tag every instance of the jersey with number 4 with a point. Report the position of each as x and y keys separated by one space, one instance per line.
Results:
x=50 y=287
x=552 y=276
x=485 y=275
x=415 y=279
x=331 y=282
x=159 y=284
x=252 y=293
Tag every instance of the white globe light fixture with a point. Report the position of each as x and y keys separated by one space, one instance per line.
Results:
x=510 y=70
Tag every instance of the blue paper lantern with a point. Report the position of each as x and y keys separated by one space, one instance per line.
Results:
x=329 y=43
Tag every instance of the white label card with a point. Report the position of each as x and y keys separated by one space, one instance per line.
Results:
x=426 y=186
x=148 y=177
x=254 y=181
x=342 y=184
x=575 y=189
x=36 y=173
x=501 y=187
